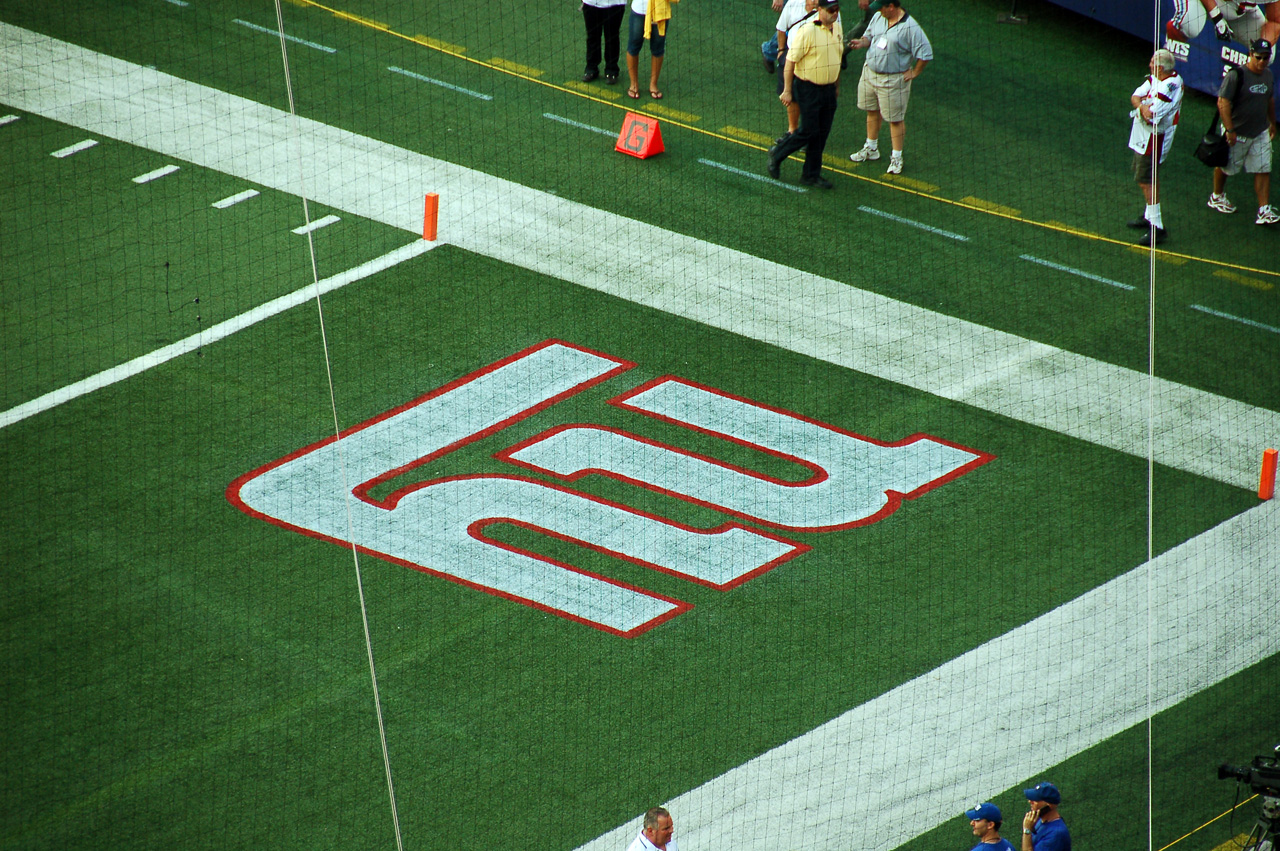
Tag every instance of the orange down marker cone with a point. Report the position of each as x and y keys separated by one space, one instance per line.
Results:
x=1267 y=484
x=429 y=217
x=640 y=136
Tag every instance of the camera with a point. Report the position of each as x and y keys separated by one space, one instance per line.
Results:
x=1262 y=775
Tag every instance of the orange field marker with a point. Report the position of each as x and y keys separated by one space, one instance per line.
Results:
x=429 y=217
x=1267 y=484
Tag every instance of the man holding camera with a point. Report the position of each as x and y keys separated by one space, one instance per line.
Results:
x=1043 y=828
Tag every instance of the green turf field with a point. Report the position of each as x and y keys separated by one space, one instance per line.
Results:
x=182 y=672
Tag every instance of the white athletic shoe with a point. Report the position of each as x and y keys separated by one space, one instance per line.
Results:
x=866 y=154
x=895 y=166
x=1267 y=216
x=1221 y=204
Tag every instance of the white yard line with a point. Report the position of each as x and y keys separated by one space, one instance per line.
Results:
x=163 y=171
x=232 y=200
x=303 y=230
x=1077 y=272
x=897 y=765
x=1002 y=713
x=1035 y=383
x=62 y=153
x=216 y=332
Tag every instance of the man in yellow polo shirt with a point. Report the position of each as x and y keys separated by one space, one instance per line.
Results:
x=811 y=79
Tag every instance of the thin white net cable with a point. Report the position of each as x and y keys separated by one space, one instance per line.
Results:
x=1151 y=403
x=341 y=454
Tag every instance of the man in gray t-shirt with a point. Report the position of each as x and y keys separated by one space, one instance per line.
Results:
x=897 y=51
x=1247 y=107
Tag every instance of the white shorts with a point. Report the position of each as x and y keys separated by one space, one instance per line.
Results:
x=1254 y=155
x=886 y=94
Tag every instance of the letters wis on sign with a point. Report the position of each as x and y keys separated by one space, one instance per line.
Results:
x=440 y=526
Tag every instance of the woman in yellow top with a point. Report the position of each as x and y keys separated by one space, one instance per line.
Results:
x=648 y=21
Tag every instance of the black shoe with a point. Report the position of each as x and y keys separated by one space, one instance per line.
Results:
x=784 y=137
x=818 y=181
x=775 y=164
x=611 y=78
x=1161 y=236
x=769 y=66
x=590 y=74
x=1139 y=223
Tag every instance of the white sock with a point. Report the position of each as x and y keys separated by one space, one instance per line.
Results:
x=896 y=155
x=873 y=144
x=1153 y=215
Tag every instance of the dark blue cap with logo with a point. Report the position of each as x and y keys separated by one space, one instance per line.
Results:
x=988 y=811
x=1046 y=792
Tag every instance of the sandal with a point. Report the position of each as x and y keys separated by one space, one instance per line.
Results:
x=655 y=94
x=633 y=93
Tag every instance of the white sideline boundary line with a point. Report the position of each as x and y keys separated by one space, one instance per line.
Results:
x=303 y=230
x=232 y=200
x=163 y=171
x=62 y=153
x=293 y=38
x=1070 y=270
x=744 y=173
x=820 y=790
x=216 y=332
x=441 y=83
x=913 y=223
x=1251 y=323
x=1022 y=379
x=1046 y=691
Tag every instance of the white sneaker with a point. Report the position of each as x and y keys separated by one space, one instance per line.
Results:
x=1221 y=204
x=895 y=166
x=866 y=154
x=1267 y=216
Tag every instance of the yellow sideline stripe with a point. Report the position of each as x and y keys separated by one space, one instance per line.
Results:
x=1231 y=844
x=1241 y=279
x=516 y=68
x=926 y=191
x=990 y=206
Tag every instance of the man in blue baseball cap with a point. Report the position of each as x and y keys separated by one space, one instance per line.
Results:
x=985 y=819
x=1043 y=828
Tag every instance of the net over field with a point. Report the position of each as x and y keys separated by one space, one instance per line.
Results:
x=814 y=515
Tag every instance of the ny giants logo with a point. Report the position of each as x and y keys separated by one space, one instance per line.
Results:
x=439 y=526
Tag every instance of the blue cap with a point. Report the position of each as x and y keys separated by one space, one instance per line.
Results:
x=988 y=811
x=1046 y=792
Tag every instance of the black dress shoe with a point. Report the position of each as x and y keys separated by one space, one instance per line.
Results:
x=775 y=165
x=819 y=181
x=588 y=76
x=784 y=137
x=611 y=78
x=1139 y=223
x=1161 y=236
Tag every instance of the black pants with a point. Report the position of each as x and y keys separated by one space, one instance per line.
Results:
x=817 y=112
x=603 y=22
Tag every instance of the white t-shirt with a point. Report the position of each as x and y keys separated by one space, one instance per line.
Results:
x=642 y=843
x=1164 y=98
x=793 y=12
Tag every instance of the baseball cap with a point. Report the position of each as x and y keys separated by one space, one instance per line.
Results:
x=1260 y=46
x=988 y=811
x=1046 y=792
x=829 y=4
